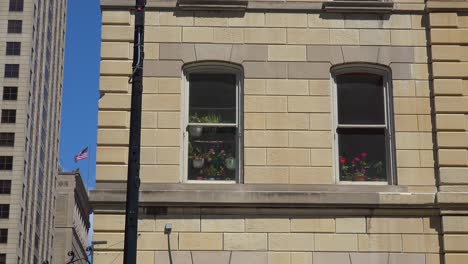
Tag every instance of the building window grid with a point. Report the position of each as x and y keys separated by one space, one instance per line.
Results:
x=8 y=116
x=15 y=26
x=16 y=5
x=5 y=186
x=4 y=211
x=6 y=162
x=10 y=93
x=387 y=126
x=11 y=70
x=13 y=48
x=3 y=236
x=7 y=139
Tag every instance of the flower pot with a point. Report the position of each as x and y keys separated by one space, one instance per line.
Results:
x=199 y=178
x=198 y=163
x=230 y=163
x=195 y=131
x=359 y=177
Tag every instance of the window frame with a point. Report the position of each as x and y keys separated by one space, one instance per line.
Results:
x=7 y=139
x=13 y=48
x=390 y=148
x=212 y=67
x=8 y=116
x=3 y=235
x=8 y=92
x=16 y=6
x=4 y=211
x=15 y=26
x=11 y=71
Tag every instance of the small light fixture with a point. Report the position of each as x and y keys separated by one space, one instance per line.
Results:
x=167 y=228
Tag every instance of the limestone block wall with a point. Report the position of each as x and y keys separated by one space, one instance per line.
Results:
x=276 y=236
x=287 y=108
x=449 y=31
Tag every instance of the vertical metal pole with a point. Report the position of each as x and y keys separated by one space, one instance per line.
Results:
x=133 y=177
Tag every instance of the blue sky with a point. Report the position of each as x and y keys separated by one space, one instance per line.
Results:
x=81 y=85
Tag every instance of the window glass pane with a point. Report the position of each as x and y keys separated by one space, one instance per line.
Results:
x=10 y=93
x=7 y=140
x=16 y=5
x=13 y=48
x=15 y=26
x=212 y=152
x=362 y=154
x=360 y=99
x=11 y=71
x=212 y=98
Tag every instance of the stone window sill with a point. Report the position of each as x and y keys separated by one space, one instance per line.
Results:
x=358 y=6
x=264 y=195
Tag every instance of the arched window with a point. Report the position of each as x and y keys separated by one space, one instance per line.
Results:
x=363 y=124
x=212 y=123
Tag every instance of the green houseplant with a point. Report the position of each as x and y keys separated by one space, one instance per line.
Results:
x=195 y=131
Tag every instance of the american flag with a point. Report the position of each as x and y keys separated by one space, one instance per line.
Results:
x=82 y=155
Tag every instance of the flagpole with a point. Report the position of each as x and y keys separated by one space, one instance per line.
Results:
x=89 y=158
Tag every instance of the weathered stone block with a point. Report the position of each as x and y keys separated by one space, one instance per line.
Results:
x=267 y=225
x=245 y=241
x=200 y=241
x=313 y=225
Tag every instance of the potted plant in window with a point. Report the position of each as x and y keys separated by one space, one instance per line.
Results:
x=356 y=168
x=211 y=119
x=195 y=131
x=230 y=162
x=198 y=159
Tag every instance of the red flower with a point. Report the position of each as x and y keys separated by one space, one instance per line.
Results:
x=342 y=160
x=364 y=154
x=357 y=159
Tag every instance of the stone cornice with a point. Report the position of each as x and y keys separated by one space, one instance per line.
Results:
x=299 y=6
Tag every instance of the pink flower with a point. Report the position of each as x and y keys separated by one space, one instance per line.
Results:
x=222 y=151
x=357 y=159
x=342 y=160
x=364 y=154
x=211 y=150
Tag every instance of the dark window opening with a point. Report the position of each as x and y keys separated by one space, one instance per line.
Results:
x=8 y=116
x=6 y=162
x=16 y=5
x=3 y=236
x=5 y=186
x=15 y=26
x=213 y=124
x=11 y=70
x=13 y=48
x=10 y=93
x=362 y=129
x=7 y=139
x=4 y=211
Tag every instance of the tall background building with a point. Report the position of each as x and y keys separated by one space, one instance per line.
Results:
x=32 y=34
x=72 y=219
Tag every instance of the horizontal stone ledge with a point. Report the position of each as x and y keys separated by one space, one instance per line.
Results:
x=265 y=195
x=447 y=5
x=262 y=5
x=452 y=199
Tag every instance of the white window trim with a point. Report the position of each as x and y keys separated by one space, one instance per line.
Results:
x=388 y=101
x=211 y=67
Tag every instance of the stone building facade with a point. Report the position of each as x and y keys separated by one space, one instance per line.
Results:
x=258 y=116
x=32 y=34
x=72 y=219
